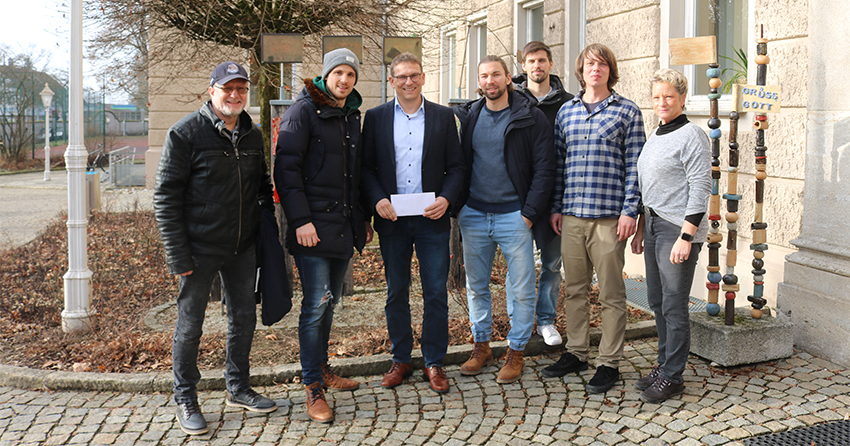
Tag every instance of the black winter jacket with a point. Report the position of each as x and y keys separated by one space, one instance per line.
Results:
x=317 y=173
x=529 y=156
x=209 y=191
x=551 y=103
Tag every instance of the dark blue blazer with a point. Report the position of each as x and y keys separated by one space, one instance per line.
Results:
x=442 y=160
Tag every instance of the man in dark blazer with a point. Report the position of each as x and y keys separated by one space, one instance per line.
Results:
x=410 y=146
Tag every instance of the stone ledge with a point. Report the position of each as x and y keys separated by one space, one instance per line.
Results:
x=25 y=378
x=749 y=341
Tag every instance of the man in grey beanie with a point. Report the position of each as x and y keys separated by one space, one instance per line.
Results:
x=317 y=175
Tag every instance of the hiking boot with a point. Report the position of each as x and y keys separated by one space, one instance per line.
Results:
x=550 y=334
x=481 y=356
x=335 y=381
x=661 y=390
x=317 y=405
x=568 y=363
x=603 y=380
x=646 y=381
x=512 y=369
x=190 y=418
x=251 y=400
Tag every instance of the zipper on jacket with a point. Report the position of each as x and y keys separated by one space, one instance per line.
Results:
x=239 y=183
x=345 y=142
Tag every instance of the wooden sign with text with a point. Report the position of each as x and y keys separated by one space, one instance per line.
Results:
x=756 y=98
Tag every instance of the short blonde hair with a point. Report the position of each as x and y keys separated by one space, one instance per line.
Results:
x=675 y=78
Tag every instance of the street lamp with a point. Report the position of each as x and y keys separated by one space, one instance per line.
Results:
x=46 y=99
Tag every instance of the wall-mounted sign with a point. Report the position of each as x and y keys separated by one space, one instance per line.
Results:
x=353 y=43
x=281 y=48
x=756 y=98
x=393 y=46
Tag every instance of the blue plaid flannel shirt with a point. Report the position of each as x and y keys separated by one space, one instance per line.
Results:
x=597 y=157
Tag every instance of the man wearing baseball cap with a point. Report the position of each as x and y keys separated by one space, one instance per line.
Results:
x=317 y=175
x=211 y=184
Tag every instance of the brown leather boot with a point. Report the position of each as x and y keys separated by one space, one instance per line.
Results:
x=337 y=382
x=512 y=369
x=481 y=356
x=317 y=405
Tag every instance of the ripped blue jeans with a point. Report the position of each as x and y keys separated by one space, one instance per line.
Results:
x=321 y=281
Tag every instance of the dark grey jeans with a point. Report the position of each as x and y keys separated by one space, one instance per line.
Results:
x=237 y=277
x=668 y=287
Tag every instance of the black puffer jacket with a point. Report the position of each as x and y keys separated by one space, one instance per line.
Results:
x=209 y=191
x=552 y=102
x=317 y=173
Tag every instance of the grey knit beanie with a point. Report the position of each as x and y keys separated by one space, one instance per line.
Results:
x=338 y=57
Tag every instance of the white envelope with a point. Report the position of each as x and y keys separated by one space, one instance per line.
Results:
x=406 y=205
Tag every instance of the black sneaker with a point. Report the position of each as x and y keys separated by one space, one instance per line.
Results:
x=661 y=390
x=251 y=400
x=646 y=381
x=603 y=380
x=567 y=364
x=190 y=418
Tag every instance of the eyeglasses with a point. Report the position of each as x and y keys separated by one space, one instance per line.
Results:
x=412 y=77
x=229 y=90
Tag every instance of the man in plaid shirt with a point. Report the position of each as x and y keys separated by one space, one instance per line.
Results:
x=598 y=138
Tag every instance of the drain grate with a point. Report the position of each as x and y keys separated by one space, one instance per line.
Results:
x=636 y=295
x=827 y=434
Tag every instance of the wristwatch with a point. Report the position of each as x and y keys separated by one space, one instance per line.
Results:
x=687 y=237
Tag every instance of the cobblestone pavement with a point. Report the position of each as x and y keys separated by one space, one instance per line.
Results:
x=718 y=407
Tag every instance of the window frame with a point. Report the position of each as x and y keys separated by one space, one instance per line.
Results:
x=680 y=20
x=477 y=28
x=448 y=63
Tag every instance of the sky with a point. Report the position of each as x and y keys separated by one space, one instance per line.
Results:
x=32 y=26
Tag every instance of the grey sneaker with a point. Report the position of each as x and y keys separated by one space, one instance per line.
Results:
x=190 y=418
x=251 y=400
x=661 y=390
x=646 y=381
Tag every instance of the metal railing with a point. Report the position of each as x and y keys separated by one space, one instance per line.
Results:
x=123 y=170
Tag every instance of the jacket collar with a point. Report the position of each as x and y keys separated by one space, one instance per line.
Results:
x=244 y=121
x=318 y=94
x=521 y=83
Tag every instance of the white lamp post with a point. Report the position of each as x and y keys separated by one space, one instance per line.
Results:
x=78 y=314
x=46 y=99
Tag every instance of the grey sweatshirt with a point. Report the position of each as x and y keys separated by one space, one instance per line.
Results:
x=674 y=175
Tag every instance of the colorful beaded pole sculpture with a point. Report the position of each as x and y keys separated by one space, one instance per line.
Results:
x=730 y=280
x=759 y=227
x=714 y=236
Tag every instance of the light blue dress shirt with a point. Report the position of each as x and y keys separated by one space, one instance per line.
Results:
x=408 y=137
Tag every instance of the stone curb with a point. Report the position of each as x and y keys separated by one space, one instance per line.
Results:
x=25 y=378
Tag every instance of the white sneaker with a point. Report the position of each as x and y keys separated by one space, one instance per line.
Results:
x=550 y=334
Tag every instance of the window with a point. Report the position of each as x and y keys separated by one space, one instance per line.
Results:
x=477 y=49
x=529 y=22
x=727 y=20
x=448 y=66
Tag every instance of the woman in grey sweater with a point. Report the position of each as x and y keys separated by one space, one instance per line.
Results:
x=675 y=182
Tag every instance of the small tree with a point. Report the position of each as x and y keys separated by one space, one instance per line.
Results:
x=22 y=77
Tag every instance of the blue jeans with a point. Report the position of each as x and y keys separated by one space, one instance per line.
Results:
x=481 y=233
x=668 y=287
x=549 y=284
x=322 y=279
x=237 y=277
x=432 y=250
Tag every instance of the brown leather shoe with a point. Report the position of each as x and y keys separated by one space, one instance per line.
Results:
x=396 y=375
x=334 y=381
x=437 y=377
x=512 y=369
x=317 y=405
x=481 y=356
